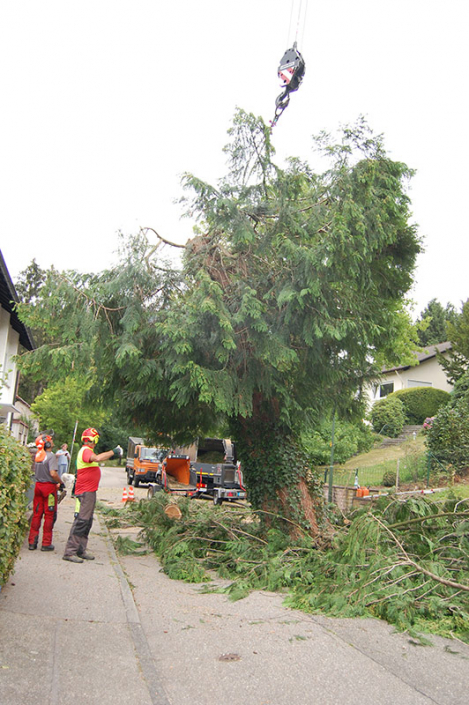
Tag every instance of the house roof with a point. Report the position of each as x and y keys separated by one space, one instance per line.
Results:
x=8 y=299
x=428 y=352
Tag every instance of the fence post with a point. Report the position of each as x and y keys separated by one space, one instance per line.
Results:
x=331 y=471
x=429 y=467
x=397 y=475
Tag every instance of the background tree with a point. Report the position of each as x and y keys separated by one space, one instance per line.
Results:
x=456 y=364
x=290 y=291
x=30 y=281
x=28 y=287
x=437 y=319
x=64 y=403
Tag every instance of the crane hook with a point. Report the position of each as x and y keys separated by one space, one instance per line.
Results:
x=291 y=72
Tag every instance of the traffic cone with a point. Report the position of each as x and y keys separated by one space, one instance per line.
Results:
x=124 y=495
x=131 y=494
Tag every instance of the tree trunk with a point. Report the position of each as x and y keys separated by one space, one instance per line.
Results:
x=279 y=477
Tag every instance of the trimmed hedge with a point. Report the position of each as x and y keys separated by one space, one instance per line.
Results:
x=15 y=479
x=421 y=402
x=388 y=416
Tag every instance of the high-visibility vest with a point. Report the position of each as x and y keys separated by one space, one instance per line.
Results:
x=81 y=464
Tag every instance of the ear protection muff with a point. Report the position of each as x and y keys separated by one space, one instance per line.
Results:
x=43 y=442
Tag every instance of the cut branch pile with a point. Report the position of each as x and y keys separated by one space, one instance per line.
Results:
x=405 y=562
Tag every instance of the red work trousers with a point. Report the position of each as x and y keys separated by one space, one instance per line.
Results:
x=42 y=506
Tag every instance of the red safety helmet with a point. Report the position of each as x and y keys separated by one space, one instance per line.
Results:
x=90 y=434
x=43 y=442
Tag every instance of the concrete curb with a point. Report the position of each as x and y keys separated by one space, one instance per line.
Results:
x=142 y=648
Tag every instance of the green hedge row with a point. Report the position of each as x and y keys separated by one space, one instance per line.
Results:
x=421 y=402
x=15 y=479
x=406 y=406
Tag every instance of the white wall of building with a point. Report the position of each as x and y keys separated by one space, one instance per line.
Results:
x=428 y=373
x=9 y=346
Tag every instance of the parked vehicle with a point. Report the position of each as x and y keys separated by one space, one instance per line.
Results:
x=220 y=481
x=143 y=462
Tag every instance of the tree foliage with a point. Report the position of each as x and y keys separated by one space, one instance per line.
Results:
x=457 y=362
x=289 y=293
x=63 y=404
x=436 y=318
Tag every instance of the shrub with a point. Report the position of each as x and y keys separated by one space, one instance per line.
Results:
x=389 y=478
x=448 y=437
x=421 y=402
x=387 y=416
x=349 y=439
x=15 y=478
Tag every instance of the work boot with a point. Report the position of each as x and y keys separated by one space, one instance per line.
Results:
x=73 y=559
x=86 y=556
x=32 y=546
x=47 y=548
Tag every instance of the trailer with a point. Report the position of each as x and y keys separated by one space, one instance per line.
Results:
x=219 y=482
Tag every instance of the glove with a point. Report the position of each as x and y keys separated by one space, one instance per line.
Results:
x=117 y=451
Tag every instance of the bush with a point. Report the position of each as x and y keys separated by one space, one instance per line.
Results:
x=448 y=438
x=421 y=402
x=387 y=416
x=349 y=439
x=389 y=478
x=15 y=479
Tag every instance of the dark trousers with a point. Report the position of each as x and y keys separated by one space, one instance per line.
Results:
x=43 y=507
x=78 y=539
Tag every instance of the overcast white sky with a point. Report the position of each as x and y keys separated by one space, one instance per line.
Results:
x=105 y=103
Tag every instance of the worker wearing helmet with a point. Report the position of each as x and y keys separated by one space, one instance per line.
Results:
x=45 y=492
x=86 y=487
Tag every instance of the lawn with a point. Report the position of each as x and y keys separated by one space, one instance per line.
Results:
x=378 y=467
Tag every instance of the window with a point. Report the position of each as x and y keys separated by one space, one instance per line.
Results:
x=385 y=389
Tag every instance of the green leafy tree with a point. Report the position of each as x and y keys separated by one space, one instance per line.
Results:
x=437 y=318
x=64 y=403
x=30 y=281
x=291 y=290
x=457 y=363
x=28 y=287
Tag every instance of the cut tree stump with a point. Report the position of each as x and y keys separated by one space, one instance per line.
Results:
x=173 y=511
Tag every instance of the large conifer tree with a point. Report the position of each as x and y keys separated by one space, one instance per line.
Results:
x=290 y=295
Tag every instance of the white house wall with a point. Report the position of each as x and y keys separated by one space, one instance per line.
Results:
x=9 y=345
x=428 y=373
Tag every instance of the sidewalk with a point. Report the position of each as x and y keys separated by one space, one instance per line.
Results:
x=78 y=631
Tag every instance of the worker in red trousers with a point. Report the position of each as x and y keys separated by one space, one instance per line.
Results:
x=45 y=492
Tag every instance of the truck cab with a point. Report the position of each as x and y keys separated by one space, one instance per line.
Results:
x=143 y=462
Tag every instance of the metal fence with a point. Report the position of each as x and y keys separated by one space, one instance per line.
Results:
x=412 y=469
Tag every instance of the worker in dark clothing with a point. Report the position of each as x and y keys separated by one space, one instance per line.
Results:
x=86 y=487
x=45 y=492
